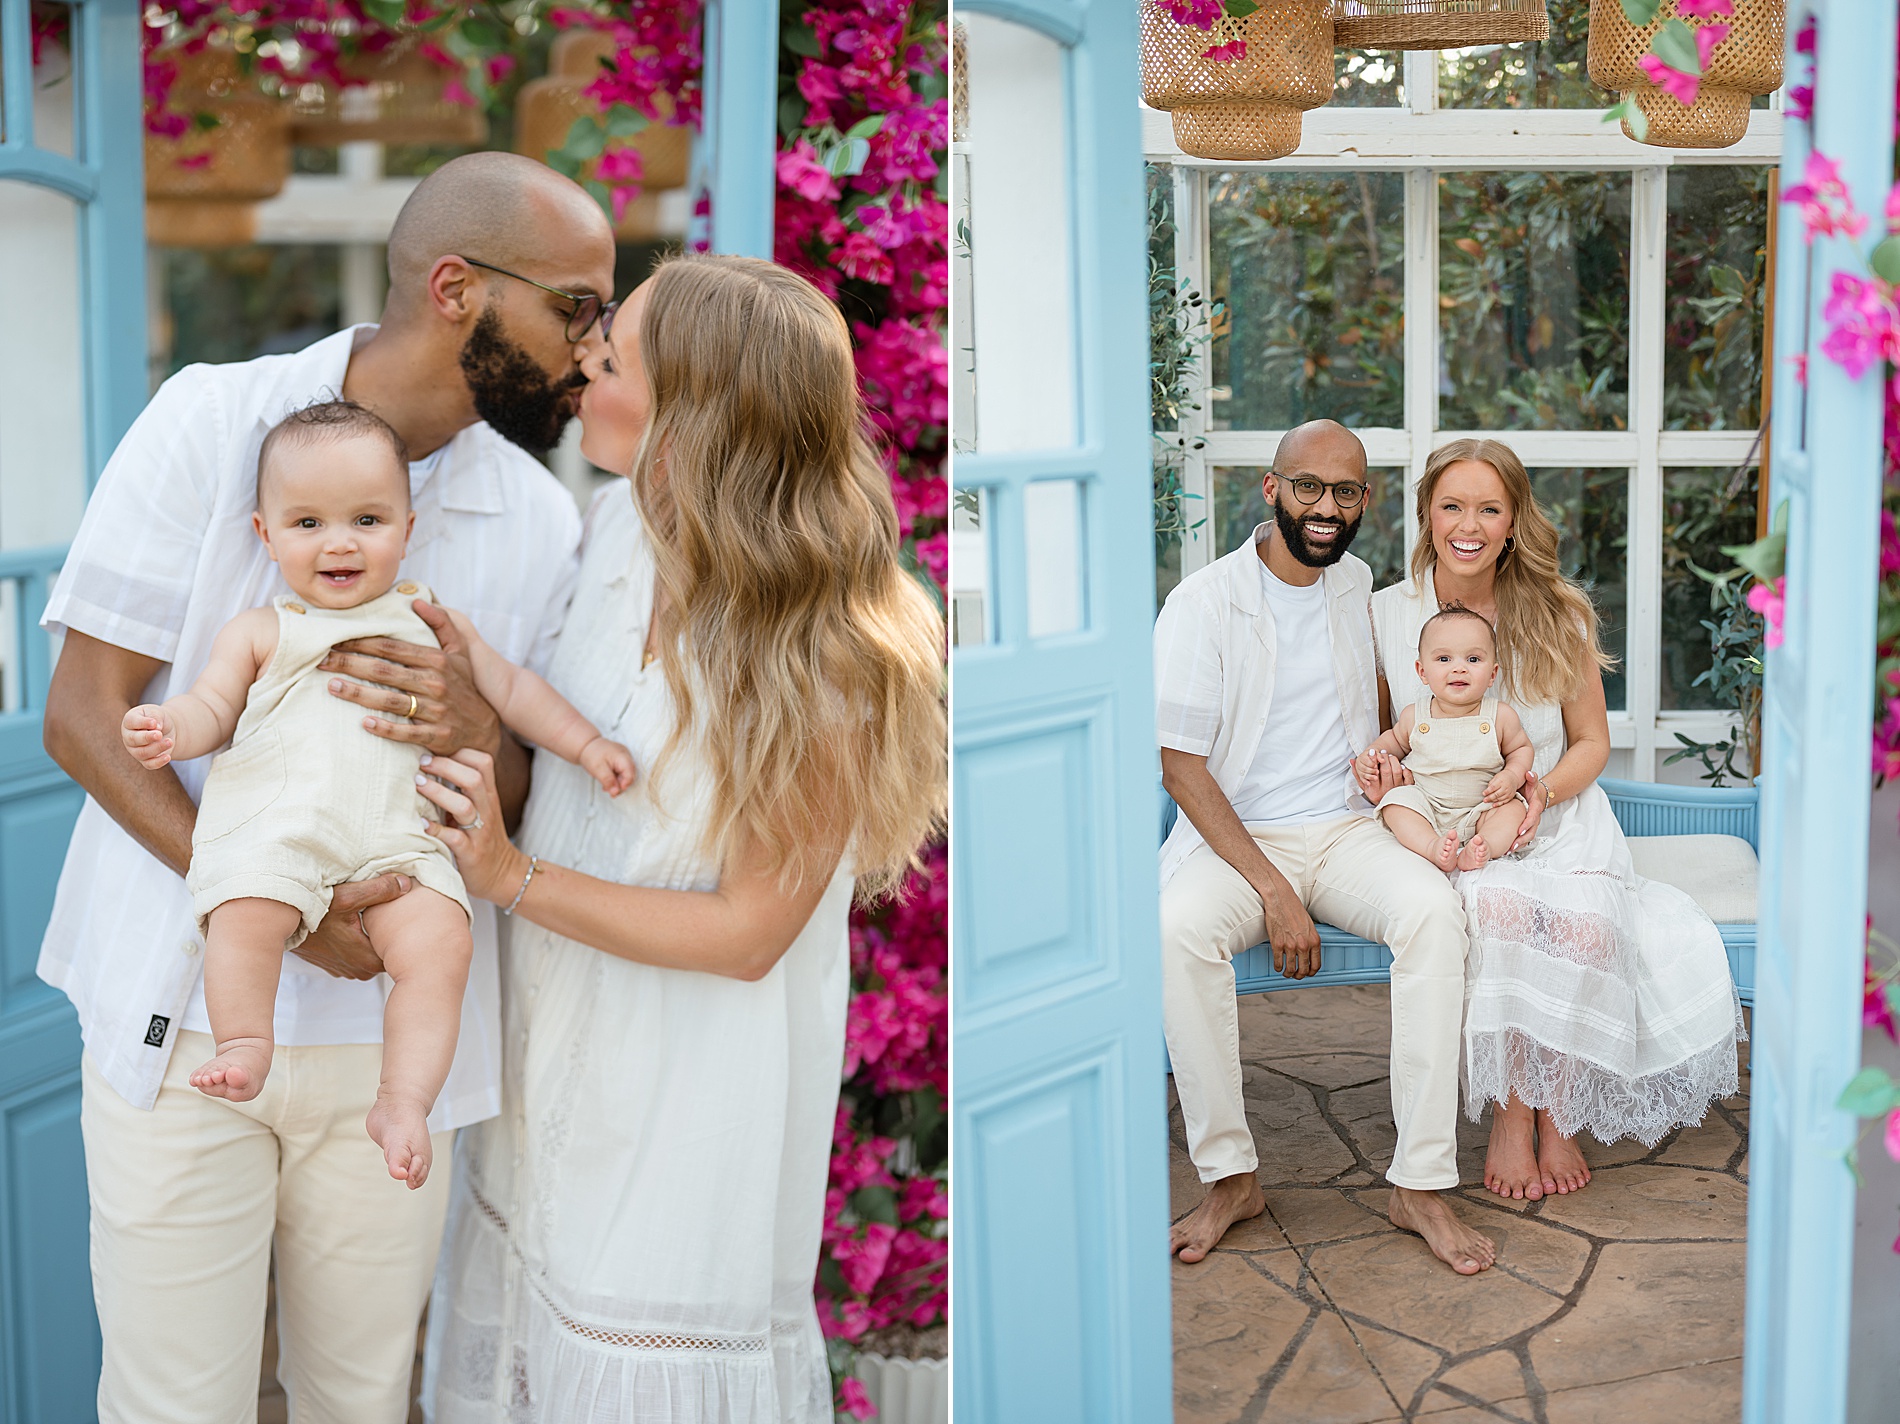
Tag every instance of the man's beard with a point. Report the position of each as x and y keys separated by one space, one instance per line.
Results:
x=511 y=391
x=1292 y=532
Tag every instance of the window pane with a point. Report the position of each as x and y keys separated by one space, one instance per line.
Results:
x=236 y=303
x=1551 y=74
x=1311 y=270
x=1239 y=505
x=1533 y=297
x=56 y=99
x=1703 y=509
x=1717 y=285
x=1591 y=511
x=1368 y=78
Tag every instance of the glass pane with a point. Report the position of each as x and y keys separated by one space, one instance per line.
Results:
x=42 y=369
x=1015 y=225
x=1551 y=74
x=1052 y=527
x=1703 y=509
x=1533 y=296
x=1591 y=511
x=236 y=303
x=55 y=78
x=1240 y=504
x=970 y=609
x=1310 y=271
x=1717 y=289
x=1368 y=78
x=1179 y=330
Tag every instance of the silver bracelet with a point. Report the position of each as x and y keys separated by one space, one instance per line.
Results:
x=534 y=864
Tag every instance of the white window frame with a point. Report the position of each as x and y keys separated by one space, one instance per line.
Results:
x=1420 y=140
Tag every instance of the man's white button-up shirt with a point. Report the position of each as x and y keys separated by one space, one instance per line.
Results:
x=1215 y=656
x=164 y=558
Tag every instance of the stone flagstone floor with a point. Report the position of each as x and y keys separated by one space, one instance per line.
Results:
x=1621 y=1304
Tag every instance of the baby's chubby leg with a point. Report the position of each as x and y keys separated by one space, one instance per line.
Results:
x=1417 y=834
x=424 y=940
x=1496 y=829
x=244 y=957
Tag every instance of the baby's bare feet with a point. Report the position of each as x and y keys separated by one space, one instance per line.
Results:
x=238 y=1072
x=1476 y=854
x=1446 y=853
x=401 y=1128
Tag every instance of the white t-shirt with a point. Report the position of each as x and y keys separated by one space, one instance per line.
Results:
x=1299 y=772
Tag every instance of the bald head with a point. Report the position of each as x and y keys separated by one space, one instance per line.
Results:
x=1320 y=443
x=499 y=208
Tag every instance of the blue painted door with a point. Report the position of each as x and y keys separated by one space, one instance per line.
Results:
x=72 y=376
x=1817 y=726
x=1059 y=1135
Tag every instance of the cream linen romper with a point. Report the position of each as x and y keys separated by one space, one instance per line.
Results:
x=1452 y=760
x=305 y=799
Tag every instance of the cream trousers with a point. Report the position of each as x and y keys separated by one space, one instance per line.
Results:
x=187 y=1202
x=1348 y=872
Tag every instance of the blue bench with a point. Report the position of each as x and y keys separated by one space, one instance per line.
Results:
x=1643 y=809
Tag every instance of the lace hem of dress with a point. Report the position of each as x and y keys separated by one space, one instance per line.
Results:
x=1580 y=1095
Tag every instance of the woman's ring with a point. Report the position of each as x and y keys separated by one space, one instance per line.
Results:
x=474 y=825
x=412 y=707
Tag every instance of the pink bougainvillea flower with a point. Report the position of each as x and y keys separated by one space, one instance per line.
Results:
x=853 y=1400
x=1223 y=54
x=1826 y=207
x=1893 y=1134
x=1865 y=328
x=1798 y=103
x=1704 y=9
x=1706 y=39
x=1199 y=13
x=1804 y=37
x=1771 y=602
x=1679 y=86
x=1800 y=363
x=800 y=170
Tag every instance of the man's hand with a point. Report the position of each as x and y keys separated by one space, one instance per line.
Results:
x=439 y=684
x=1378 y=772
x=339 y=946
x=1291 y=933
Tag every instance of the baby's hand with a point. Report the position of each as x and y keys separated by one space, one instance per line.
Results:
x=149 y=735
x=1502 y=787
x=610 y=764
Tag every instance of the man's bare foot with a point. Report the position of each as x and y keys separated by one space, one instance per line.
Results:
x=1510 y=1162
x=1476 y=854
x=238 y=1072
x=401 y=1128
x=1229 y=1200
x=1429 y=1215
x=1559 y=1157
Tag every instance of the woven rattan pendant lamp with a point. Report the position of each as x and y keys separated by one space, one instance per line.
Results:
x=1244 y=102
x=1438 y=24
x=1747 y=62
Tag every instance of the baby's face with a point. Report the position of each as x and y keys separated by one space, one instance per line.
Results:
x=335 y=516
x=1457 y=661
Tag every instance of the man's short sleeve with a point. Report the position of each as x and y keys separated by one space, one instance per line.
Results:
x=1188 y=682
x=128 y=576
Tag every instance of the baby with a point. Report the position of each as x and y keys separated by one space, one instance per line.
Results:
x=305 y=799
x=1467 y=752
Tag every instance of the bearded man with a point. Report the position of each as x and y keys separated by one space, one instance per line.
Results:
x=498 y=267
x=1265 y=687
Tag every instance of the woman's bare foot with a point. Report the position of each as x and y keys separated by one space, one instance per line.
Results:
x=1559 y=1157
x=1427 y=1214
x=1229 y=1200
x=1476 y=854
x=401 y=1128
x=238 y=1072
x=1510 y=1162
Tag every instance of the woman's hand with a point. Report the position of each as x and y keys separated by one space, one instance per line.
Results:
x=464 y=787
x=1537 y=797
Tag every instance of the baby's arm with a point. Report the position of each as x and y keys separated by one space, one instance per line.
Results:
x=202 y=720
x=1395 y=743
x=1515 y=743
x=528 y=705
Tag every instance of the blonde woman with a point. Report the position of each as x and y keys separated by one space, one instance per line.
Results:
x=636 y=1236
x=1593 y=999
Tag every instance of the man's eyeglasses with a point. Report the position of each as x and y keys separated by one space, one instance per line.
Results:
x=587 y=307
x=1347 y=494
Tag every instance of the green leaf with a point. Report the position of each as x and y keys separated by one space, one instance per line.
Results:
x=857 y=153
x=565 y=164
x=624 y=121
x=439 y=21
x=483 y=34
x=1640 y=12
x=875 y=1204
x=585 y=139
x=1766 y=558
x=1674 y=45
x=1869 y=1093
x=1239 y=9
x=387 y=13
x=791 y=114
x=799 y=39
x=864 y=128
x=837 y=160
x=1885 y=260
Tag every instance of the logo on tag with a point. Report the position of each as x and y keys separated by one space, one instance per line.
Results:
x=155 y=1031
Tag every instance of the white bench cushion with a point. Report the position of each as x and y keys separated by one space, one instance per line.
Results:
x=1720 y=873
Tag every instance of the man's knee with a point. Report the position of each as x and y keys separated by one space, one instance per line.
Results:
x=1199 y=927
x=1427 y=923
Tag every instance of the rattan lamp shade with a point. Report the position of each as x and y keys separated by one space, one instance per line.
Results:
x=244 y=156
x=1247 y=108
x=1438 y=24
x=1747 y=63
x=403 y=98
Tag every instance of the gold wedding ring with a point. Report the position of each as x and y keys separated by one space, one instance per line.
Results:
x=412 y=707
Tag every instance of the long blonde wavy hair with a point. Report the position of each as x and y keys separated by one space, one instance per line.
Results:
x=1547 y=627
x=796 y=646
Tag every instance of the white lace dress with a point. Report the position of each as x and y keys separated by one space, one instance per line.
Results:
x=636 y=1236
x=1593 y=993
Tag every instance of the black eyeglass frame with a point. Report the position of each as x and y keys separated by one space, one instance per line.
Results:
x=1293 y=482
x=586 y=304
